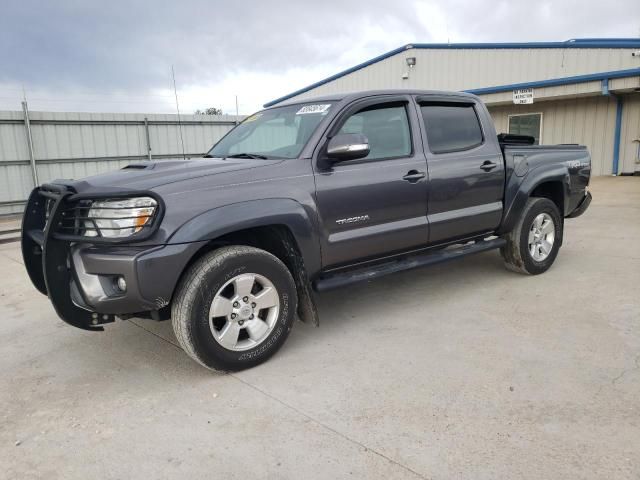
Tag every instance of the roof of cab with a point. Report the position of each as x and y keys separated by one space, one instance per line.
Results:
x=350 y=96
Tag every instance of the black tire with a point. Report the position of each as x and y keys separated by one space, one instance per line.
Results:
x=516 y=254
x=198 y=287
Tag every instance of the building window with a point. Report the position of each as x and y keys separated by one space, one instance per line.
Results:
x=527 y=124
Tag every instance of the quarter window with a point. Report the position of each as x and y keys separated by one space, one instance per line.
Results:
x=529 y=124
x=451 y=128
x=386 y=128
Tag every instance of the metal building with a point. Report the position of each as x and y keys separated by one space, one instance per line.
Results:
x=580 y=91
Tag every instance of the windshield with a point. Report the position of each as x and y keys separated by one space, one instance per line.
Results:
x=275 y=133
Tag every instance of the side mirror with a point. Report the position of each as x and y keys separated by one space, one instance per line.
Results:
x=348 y=146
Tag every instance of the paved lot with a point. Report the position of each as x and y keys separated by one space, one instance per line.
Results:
x=462 y=370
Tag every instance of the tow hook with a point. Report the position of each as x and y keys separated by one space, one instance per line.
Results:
x=102 y=318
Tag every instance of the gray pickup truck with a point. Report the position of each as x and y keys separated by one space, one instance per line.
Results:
x=309 y=195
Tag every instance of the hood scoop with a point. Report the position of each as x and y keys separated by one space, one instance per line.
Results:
x=139 y=166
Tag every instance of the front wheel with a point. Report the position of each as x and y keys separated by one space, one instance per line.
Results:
x=533 y=244
x=234 y=308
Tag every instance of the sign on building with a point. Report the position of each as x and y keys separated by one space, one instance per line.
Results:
x=522 y=96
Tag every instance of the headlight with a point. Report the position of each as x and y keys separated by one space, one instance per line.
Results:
x=119 y=218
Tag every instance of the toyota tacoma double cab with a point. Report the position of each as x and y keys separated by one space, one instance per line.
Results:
x=305 y=196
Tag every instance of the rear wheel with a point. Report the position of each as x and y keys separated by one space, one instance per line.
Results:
x=234 y=308
x=533 y=244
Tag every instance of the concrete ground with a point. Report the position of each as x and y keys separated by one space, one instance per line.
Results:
x=463 y=370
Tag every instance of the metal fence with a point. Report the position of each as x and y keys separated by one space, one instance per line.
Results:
x=37 y=147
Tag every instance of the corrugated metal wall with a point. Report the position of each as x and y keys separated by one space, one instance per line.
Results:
x=76 y=145
x=587 y=121
x=464 y=69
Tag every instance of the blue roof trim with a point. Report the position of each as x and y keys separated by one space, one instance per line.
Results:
x=621 y=40
x=557 y=81
x=573 y=43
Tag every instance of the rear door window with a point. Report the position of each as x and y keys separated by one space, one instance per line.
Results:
x=451 y=127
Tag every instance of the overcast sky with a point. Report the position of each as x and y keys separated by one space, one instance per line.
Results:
x=113 y=55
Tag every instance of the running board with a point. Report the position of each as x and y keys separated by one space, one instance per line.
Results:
x=342 y=279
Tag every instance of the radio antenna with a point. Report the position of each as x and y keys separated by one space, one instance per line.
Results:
x=175 y=92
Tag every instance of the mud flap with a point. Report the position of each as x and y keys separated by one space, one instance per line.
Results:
x=307 y=310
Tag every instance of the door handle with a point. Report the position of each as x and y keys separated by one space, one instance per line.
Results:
x=413 y=176
x=488 y=166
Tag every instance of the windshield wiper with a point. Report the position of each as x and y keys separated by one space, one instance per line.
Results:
x=207 y=156
x=248 y=155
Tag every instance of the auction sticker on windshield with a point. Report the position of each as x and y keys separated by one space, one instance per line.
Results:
x=252 y=118
x=314 y=109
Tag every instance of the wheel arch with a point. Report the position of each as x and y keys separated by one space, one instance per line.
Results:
x=551 y=183
x=281 y=227
x=219 y=222
x=553 y=190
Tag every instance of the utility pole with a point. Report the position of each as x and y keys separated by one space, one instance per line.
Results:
x=146 y=130
x=237 y=114
x=27 y=126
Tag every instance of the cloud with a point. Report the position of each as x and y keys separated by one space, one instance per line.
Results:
x=130 y=44
x=116 y=55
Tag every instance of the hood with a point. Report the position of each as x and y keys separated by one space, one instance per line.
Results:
x=149 y=175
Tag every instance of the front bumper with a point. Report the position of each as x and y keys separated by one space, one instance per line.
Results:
x=80 y=277
x=582 y=206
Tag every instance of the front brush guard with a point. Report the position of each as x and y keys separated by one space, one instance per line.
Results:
x=47 y=259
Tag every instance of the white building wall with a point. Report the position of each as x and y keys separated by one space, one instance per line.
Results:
x=630 y=135
x=572 y=113
x=464 y=69
x=587 y=121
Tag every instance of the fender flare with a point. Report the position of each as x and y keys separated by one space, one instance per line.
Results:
x=234 y=217
x=517 y=194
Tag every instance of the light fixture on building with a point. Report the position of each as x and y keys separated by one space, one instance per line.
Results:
x=411 y=62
